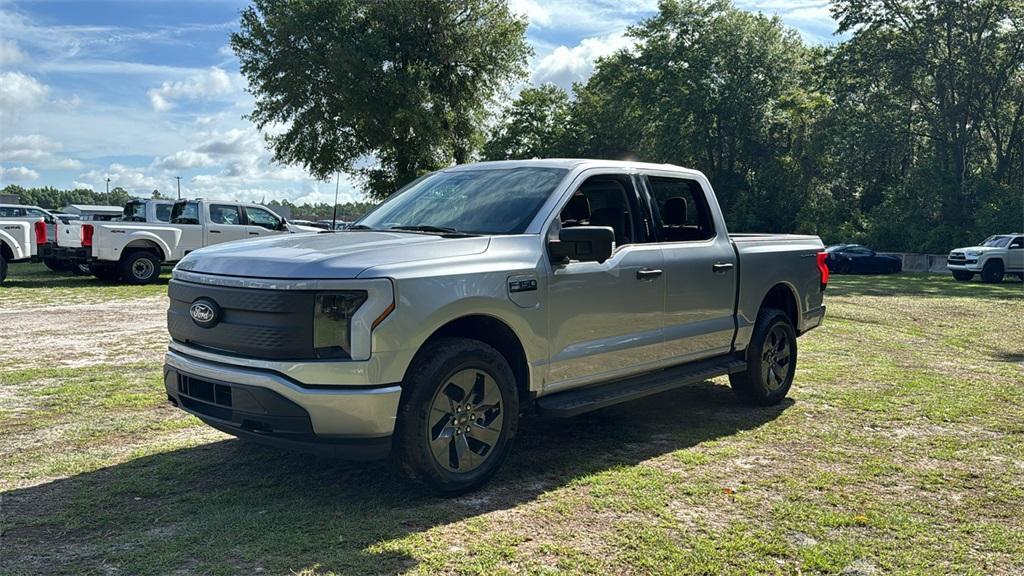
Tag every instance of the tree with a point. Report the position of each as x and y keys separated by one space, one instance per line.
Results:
x=534 y=126
x=401 y=86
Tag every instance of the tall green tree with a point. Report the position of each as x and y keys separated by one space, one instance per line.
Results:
x=385 y=89
x=535 y=125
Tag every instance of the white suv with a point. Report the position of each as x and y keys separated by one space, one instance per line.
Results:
x=995 y=257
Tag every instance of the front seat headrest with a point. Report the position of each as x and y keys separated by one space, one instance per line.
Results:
x=675 y=211
x=577 y=210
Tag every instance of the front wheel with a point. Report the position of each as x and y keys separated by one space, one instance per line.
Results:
x=771 y=360
x=458 y=415
x=992 y=273
x=962 y=276
x=140 y=268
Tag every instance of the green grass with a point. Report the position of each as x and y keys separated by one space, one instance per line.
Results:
x=900 y=450
x=34 y=284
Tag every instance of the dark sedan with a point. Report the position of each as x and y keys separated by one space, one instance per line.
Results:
x=857 y=259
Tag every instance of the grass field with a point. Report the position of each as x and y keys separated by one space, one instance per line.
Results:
x=901 y=450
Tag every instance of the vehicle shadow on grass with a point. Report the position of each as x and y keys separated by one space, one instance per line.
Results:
x=921 y=284
x=233 y=507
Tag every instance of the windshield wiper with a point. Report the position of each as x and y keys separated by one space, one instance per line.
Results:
x=359 y=227
x=425 y=228
x=443 y=230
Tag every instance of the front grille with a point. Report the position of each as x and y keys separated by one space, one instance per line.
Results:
x=266 y=324
x=251 y=408
x=206 y=391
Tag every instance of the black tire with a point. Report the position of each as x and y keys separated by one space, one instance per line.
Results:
x=106 y=272
x=843 y=268
x=3 y=268
x=760 y=383
x=431 y=444
x=895 y=268
x=139 y=267
x=79 y=269
x=962 y=275
x=992 y=273
x=55 y=265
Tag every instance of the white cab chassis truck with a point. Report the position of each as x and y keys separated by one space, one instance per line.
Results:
x=20 y=241
x=477 y=293
x=134 y=251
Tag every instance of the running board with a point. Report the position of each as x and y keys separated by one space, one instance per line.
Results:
x=575 y=402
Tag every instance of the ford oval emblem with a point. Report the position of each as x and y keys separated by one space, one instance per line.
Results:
x=205 y=313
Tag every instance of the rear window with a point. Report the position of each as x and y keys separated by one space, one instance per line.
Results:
x=163 y=212
x=185 y=213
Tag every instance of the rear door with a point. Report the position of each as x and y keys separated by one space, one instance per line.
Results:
x=605 y=319
x=700 y=268
x=225 y=223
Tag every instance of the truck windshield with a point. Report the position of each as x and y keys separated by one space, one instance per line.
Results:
x=996 y=241
x=134 y=212
x=185 y=213
x=490 y=201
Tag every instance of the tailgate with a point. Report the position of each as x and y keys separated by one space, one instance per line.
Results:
x=69 y=235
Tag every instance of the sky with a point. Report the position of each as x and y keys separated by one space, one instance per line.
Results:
x=143 y=91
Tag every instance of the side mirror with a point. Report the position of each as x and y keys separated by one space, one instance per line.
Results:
x=282 y=225
x=582 y=243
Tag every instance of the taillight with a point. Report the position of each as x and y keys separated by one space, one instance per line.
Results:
x=86 y=235
x=40 y=232
x=823 y=269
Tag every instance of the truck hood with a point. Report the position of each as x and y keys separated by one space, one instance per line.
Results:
x=325 y=256
x=978 y=249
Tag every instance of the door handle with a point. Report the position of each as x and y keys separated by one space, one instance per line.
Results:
x=647 y=274
x=214 y=231
x=721 y=267
x=254 y=233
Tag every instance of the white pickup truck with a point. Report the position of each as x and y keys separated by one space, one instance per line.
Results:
x=135 y=251
x=20 y=241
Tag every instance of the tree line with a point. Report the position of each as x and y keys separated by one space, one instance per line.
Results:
x=907 y=134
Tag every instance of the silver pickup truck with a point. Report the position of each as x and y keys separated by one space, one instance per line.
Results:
x=480 y=292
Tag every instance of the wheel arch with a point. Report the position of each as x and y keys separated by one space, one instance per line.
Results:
x=494 y=332
x=783 y=296
x=5 y=250
x=145 y=244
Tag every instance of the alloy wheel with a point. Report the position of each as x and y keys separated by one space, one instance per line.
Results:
x=775 y=358
x=465 y=421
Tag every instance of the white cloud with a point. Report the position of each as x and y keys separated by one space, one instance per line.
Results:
x=19 y=94
x=132 y=179
x=17 y=174
x=184 y=159
x=10 y=54
x=565 y=65
x=536 y=13
x=204 y=85
x=76 y=185
x=37 y=150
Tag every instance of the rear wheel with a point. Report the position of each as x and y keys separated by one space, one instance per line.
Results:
x=843 y=268
x=992 y=272
x=3 y=268
x=106 y=272
x=458 y=416
x=139 y=268
x=962 y=276
x=55 y=265
x=771 y=360
x=895 y=268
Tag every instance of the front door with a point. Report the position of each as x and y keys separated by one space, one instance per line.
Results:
x=262 y=222
x=605 y=319
x=225 y=224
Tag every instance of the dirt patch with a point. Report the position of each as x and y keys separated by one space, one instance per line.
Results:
x=78 y=335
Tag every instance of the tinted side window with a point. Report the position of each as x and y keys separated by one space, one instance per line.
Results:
x=261 y=217
x=680 y=209
x=1017 y=243
x=225 y=214
x=8 y=212
x=605 y=200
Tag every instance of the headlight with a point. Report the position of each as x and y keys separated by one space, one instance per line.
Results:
x=972 y=253
x=332 y=323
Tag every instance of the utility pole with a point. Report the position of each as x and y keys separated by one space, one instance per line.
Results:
x=178 y=178
x=108 y=185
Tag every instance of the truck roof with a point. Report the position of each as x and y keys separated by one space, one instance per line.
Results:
x=569 y=164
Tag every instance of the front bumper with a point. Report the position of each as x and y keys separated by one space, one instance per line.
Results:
x=347 y=421
x=963 y=265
